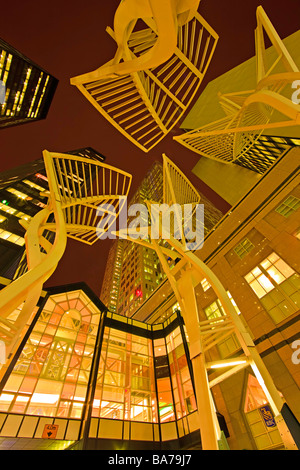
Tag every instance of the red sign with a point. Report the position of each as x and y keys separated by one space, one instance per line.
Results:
x=50 y=431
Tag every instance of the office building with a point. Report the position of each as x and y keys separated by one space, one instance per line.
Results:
x=22 y=195
x=141 y=398
x=254 y=250
x=232 y=178
x=232 y=182
x=28 y=88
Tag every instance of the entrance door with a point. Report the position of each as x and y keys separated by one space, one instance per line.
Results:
x=260 y=417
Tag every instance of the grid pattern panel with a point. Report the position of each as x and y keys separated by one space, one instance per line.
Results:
x=144 y=106
x=51 y=375
x=84 y=185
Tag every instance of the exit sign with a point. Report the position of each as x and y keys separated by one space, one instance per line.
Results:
x=50 y=431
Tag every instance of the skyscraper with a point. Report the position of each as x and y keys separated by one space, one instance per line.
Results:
x=22 y=195
x=27 y=90
x=133 y=271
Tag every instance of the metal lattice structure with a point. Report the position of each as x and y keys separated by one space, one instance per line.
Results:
x=184 y=276
x=73 y=199
x=145 y=90
x=249 y=113
x=82 y=195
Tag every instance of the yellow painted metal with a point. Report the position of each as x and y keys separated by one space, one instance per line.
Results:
x=146 y=88
x=187 y=273
x=77 y=186
x=248 y=114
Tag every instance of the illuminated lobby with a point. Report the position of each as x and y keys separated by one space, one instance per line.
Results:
x=101 y=379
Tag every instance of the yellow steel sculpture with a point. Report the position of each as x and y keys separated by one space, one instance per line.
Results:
x=251 y=112
x=184 y=276
x=145 y=89
x=77 y=186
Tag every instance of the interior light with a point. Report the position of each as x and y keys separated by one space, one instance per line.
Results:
x=226 y=364
x=47 y=398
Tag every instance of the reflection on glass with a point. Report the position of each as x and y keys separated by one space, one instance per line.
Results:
x=138 y=378
x=134 y=384
x=51 y=375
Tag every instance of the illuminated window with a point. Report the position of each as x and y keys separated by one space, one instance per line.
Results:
x=214 y=310
x=243 y=248
x=233 y=303
x=289 y=206
x=277 y=286
x=277 y=268
x=24 y=196
x=260 y=417
x=11 y=237
x=140 y=379
x=126 y=386
x=259 y=282
x=2 y=92
x=255 y=396
x=34 y=185
x=17 y=193
x=183 y=391
x=5 y=207
x=205 y=284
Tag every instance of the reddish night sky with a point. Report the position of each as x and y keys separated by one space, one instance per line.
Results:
x=68 y=38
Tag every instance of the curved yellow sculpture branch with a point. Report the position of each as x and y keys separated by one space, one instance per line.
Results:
x=157 y=69
x=250 y=113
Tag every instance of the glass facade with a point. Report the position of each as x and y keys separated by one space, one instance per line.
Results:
x=125 y=383
x=142 y=371
x=28 y=89
x=144 y=376
x=277 y=286
x=51 y=375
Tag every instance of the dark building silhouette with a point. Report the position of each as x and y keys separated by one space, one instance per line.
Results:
x=26 y=89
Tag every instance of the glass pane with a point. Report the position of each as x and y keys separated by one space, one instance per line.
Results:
x=265 y=283
x=20 y=404
x=259 y=291
x=276 y=275
x=166 y=413
x=5 y=401
x=163 y=385
x=52 y=364
x=273 y=257
x=255 y=396
x=284 y=268
x=256 y=272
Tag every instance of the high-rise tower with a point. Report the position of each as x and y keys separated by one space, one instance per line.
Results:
x=27 y=90
x=133 y=271
x=23 y=193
